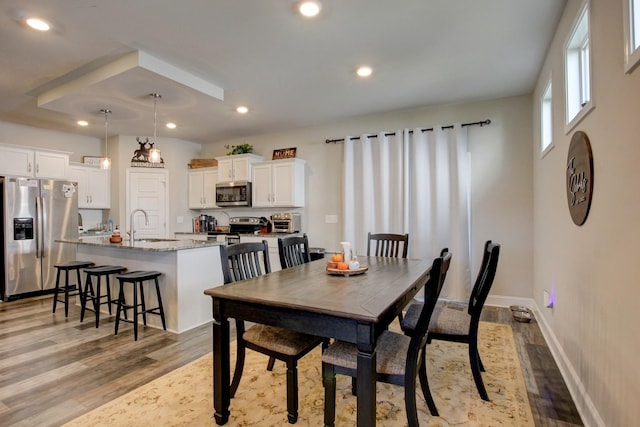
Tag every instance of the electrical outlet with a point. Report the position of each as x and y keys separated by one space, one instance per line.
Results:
x=548 y=302
x=180 y=220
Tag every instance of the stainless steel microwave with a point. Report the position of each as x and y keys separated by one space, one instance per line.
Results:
x=236 y=193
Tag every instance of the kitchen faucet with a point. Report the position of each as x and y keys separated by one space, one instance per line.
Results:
x=132 y=231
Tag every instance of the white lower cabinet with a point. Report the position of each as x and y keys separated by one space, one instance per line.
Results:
x=274 y=254
x=278 y=183
x=202 y=188
x=94 y=186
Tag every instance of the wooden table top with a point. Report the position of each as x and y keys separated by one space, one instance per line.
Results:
x=308 y=287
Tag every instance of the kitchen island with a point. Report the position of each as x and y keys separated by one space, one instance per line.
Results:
x=188 y=267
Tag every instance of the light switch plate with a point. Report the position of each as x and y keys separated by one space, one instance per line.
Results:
x=331 y=219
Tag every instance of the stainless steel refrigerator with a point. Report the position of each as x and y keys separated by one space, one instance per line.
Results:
x=35 y=212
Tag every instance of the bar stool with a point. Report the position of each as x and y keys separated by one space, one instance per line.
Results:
x=69 y=290
x=94 y=295
x=138 y=277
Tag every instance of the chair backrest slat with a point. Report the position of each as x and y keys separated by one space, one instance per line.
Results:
x=293 y=250
x=433 y=287
x=244 y=261
x=388 y=245
x=485 y=278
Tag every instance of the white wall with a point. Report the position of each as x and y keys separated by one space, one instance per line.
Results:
x=501 y=176
x=176 y=154
x=77 y=145
x=592 y=269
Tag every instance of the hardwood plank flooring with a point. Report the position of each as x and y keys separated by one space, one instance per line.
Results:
x=54 y=369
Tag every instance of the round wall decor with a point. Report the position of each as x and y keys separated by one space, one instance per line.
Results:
x=579 y=177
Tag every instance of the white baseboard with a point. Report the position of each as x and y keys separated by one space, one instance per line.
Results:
x=588 y=412
x=586 y=408
x=505 y=301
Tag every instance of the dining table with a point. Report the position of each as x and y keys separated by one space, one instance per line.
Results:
x=355 y=308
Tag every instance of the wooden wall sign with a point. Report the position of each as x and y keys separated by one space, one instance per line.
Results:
x=579 y=177
x=284 y=153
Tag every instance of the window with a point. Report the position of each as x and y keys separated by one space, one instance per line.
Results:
x=546 y=121
x=631 y=34
x=578 y=70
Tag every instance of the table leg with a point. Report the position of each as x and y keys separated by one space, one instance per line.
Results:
x=366 y=385
x=221 y=380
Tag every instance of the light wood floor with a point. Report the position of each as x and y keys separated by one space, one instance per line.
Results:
x=54 y=369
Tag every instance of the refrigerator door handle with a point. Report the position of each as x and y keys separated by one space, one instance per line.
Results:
x=39 y=229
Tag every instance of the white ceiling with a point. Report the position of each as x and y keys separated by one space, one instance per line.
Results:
x=290 y=71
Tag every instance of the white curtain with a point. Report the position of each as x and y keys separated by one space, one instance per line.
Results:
x=412 y=182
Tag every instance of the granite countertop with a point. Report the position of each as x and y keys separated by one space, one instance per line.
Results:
x=243 y=234
x=163 y=245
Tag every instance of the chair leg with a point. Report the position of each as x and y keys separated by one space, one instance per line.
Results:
x=119 y=306
x=96 y=302
x=410 y=398
x=135 y=312
x=109 y=295
x=66 y=293
x=474 y=360
x=164 y=323
x=88 y=287
x=56 y=290
x=237 y=373
x=480 y=362
x=272 y=361
x=292 y=392
x=144 y=306
x=354 y=387
x=329 y=382
x=424 y=383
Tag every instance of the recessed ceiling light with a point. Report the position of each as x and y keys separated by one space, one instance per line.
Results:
x=38 y=24
x=82 y=123
x=171 y=125
x=309 y=8
x=364 y=71
x=242 y=109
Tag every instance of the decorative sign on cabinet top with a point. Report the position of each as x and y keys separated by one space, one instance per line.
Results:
x=284 y=153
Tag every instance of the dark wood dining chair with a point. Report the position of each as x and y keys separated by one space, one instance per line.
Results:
x=399 y=358
x=244 y=261
x=293 y=250
x=387 y=245
x=458 y=321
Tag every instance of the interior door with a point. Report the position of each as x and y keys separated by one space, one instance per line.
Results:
x=148 y=190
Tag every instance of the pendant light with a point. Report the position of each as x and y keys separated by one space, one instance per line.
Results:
x=154 y=153
x=105 y=162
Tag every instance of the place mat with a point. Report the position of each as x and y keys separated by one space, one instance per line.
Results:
x=184 y=397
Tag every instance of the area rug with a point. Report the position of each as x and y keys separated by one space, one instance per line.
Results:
x=184 y=397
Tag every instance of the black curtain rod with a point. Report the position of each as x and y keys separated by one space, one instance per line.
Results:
x=482 y=123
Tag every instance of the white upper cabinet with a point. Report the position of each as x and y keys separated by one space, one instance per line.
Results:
x=278 y=183
x=202 y=188
x=236 y=167
x=30 y=163
x=94 y=186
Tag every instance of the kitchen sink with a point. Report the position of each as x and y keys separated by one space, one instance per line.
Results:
x=154 y=240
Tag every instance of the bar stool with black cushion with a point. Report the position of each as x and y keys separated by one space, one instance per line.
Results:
x=139 y=308
x=94 y=294
x=69 y=290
